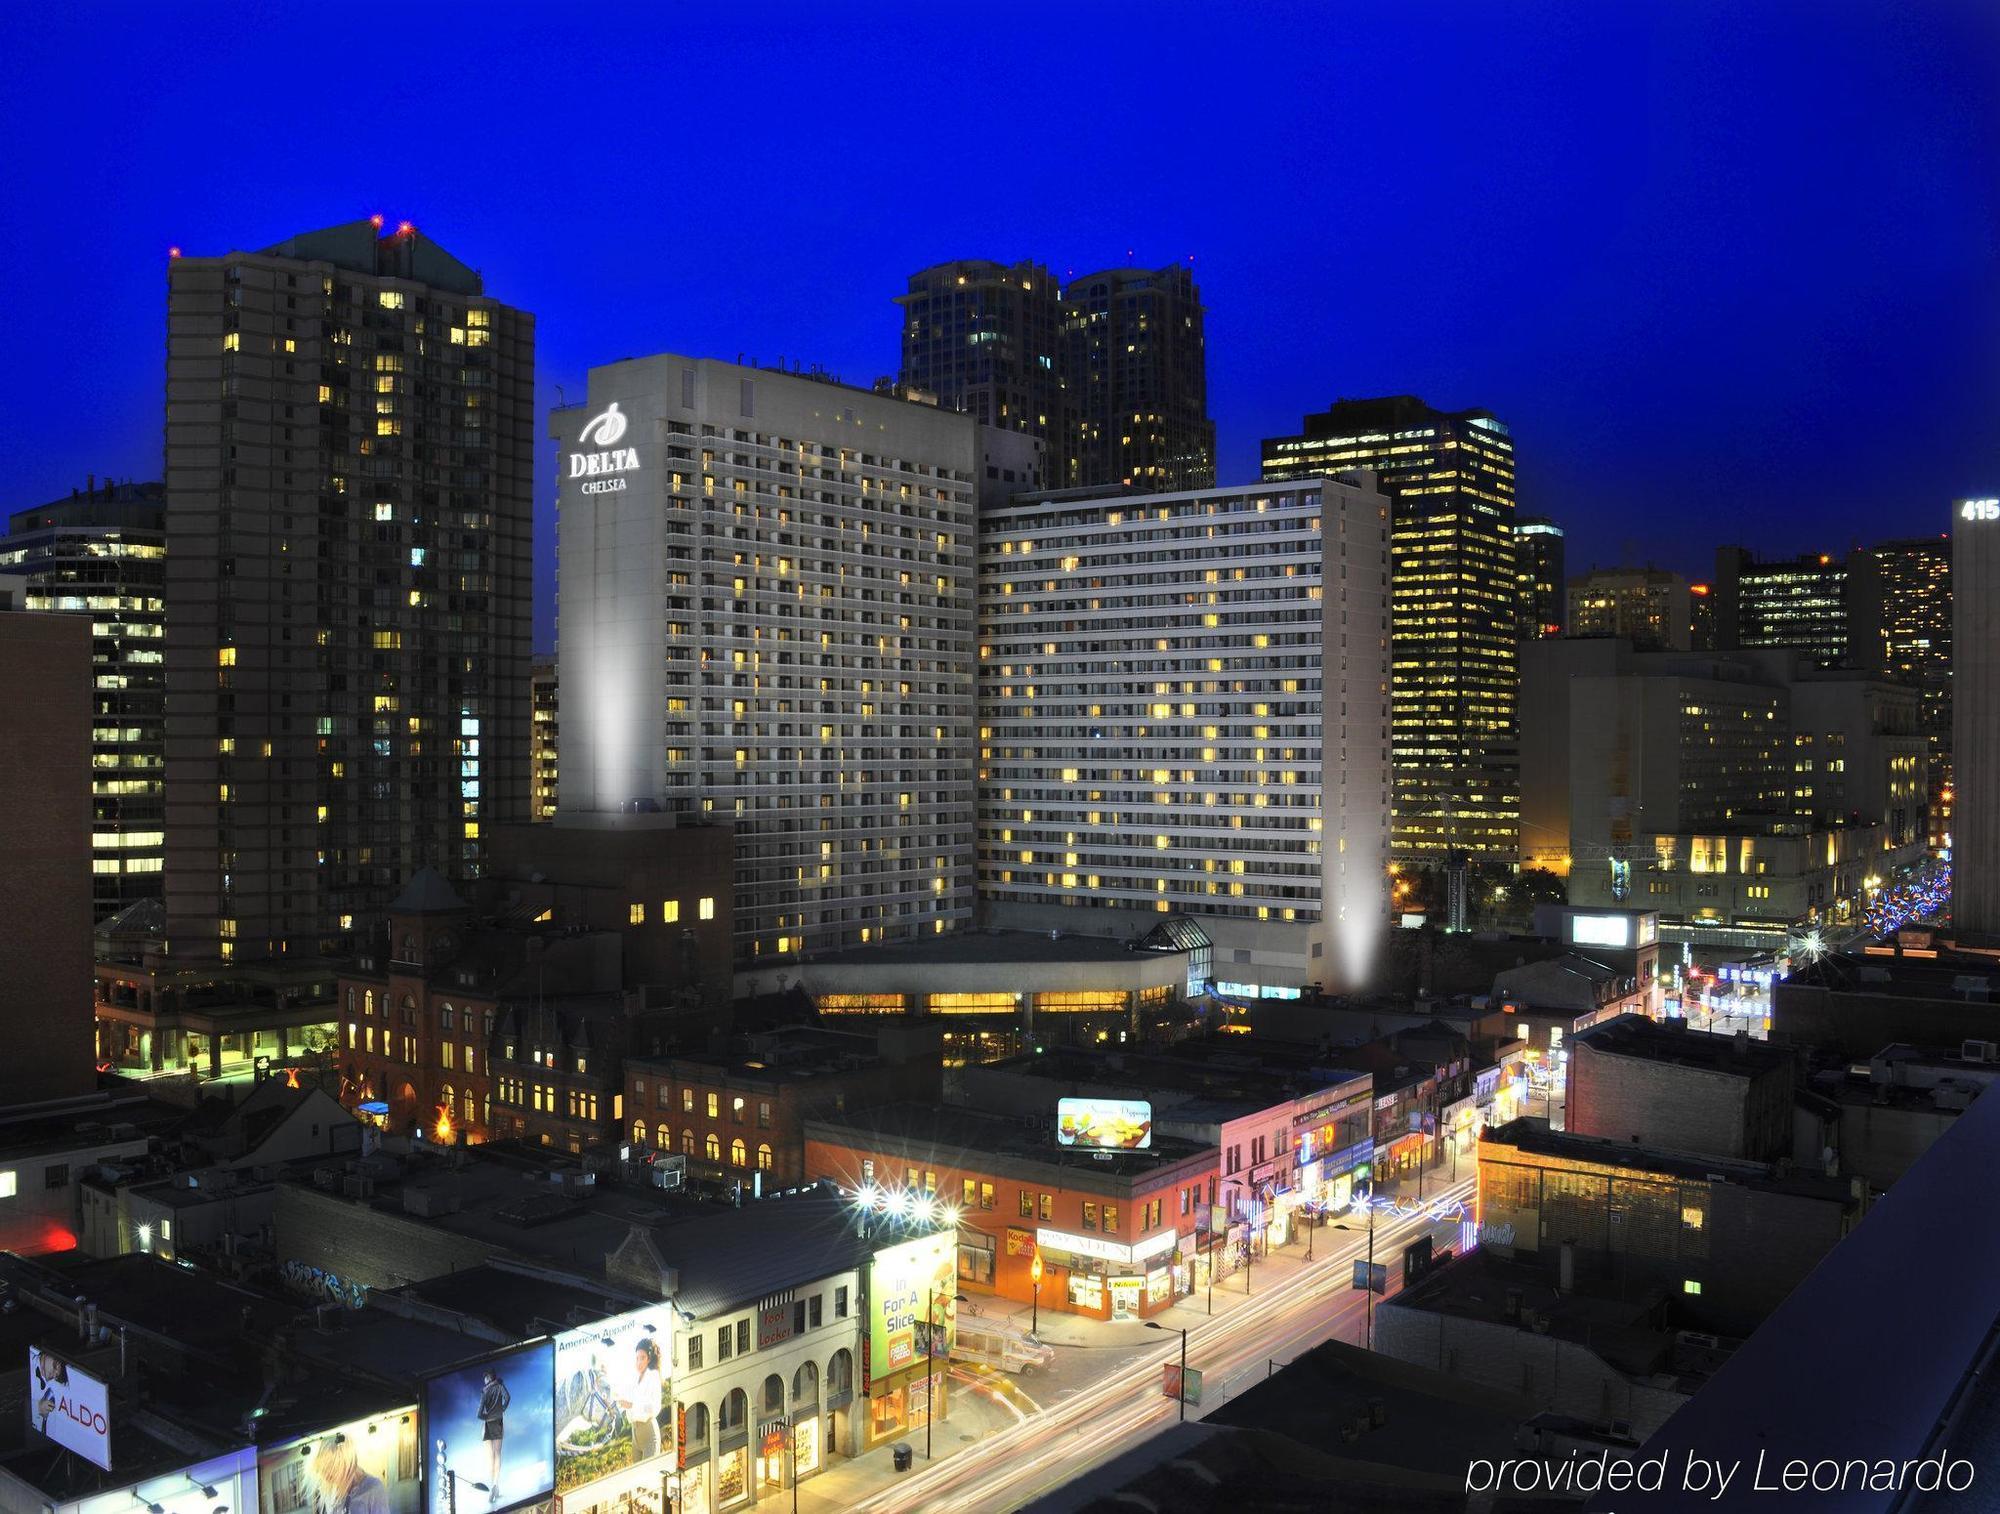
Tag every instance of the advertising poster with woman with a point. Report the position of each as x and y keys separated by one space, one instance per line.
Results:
x=371 y=1466
x=612 y=1407
x=490 y=1432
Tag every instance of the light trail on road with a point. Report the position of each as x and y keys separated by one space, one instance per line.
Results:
x=1016 y=1466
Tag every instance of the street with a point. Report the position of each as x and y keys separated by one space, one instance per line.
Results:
x=1121 y=1403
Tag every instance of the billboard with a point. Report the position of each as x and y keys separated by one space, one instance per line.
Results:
x=489 y=1429
x=611 y=1401
x=366 y=1466
x=69 y=1406
x=1600 y=930
x=1109 y=1124
x=905 y=1281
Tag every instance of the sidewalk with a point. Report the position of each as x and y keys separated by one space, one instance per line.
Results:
x=849 y=1481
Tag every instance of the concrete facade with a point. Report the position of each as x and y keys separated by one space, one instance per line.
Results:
x=767 y=618
x=1183 y=709
x=1975 y=717
x=1736 y=795
x=1727 y=1239
x=45 y=884
x=1559 y=1375
x=349 y=498
x=1645 y=606
x=101 y=554
x=1683 y=1090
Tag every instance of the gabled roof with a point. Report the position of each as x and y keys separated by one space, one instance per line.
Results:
x=427 y=893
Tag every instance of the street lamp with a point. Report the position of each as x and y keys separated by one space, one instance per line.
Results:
x=1181 y=1395
x=1035 y=1277
x=1368 y=1339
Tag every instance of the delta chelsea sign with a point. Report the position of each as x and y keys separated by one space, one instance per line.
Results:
x=603 y=468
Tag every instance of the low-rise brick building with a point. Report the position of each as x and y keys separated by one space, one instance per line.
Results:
x=743 y=1111
x=1729 y=1238
x=1120 y=1233
x=1660 y=1084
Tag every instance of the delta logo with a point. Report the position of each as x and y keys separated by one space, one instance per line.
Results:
x=602 y=432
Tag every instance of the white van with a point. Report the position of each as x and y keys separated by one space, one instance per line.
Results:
x=999 y=1346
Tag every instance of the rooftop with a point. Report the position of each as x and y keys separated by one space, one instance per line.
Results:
x=1217 y=1079
x=107 y=1117
x=724 y=1257
x=1965 y=980
x=998 y=946
x=1205 y=1467
x=1532 y=1135
x=426 y=893
x=932 y=1134
x=523 y=1304
x=1624 y=1331
x=787 y=1053
x=1671 y=1041
x=1927 y=1348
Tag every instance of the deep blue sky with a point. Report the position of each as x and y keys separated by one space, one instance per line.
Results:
x=1728 y=269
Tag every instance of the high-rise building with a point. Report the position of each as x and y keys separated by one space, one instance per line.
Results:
x=544 y=726
x=1975 y=717
x=1701 y=617
x=46 y=671
x=1454 y=683
x=1183 y=710
x=349 y=494
x=102 y=553
x=768 y=619
x=1538 y=544
x=1738 y=794
x=1803 y=602
x=1646 y=606
x=1134 y=366
x=986 y=340
x=1903 y=626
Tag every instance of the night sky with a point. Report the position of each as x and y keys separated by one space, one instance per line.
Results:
x=1729 y=270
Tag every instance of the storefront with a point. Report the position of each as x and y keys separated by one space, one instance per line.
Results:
x=1110 y=1280
x=732 y=1477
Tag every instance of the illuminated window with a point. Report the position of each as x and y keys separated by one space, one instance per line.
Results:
x=1690 y=1285
x=707 y=910
x=635 y=914
x=670 y=911
x=860 y=1004
x=225 y=657
x=738 y=1153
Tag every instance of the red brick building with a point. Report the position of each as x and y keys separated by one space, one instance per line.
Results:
x=1119 y=1233
x=741 y=1112
x=509 y=1016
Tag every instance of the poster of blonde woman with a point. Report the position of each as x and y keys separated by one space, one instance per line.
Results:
x=612 y=1403
x=368 y=1466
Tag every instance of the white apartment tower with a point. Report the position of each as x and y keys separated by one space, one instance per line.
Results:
x=767 y=620
x=1184 y=710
